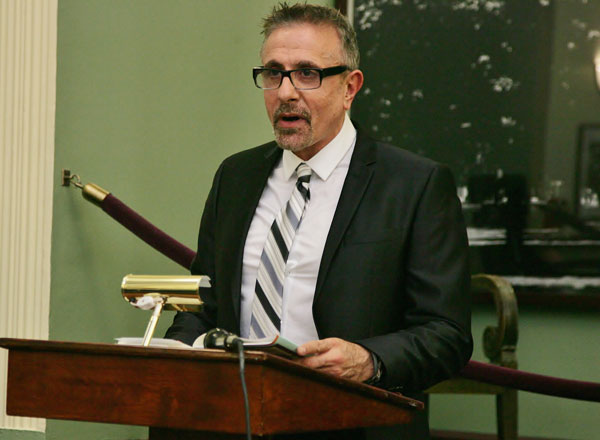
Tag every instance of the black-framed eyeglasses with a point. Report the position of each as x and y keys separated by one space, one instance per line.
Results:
x=307 y=78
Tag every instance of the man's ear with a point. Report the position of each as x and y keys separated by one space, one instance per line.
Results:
x=354 y=82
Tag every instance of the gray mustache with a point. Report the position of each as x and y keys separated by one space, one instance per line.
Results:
x=286 y=108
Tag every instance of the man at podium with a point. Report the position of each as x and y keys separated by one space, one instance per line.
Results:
x=352 y=248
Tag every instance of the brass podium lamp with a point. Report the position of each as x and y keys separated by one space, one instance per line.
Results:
x=163 y=292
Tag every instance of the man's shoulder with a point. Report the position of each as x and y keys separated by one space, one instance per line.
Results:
x=393 y=156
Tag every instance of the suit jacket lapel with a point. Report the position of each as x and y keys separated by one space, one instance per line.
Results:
x=357 y=181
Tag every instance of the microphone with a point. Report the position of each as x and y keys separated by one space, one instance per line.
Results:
x=219 y=338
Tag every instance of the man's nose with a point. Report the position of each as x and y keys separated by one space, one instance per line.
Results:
x=287 y=91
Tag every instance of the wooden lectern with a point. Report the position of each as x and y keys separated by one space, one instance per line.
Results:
x=182 y=393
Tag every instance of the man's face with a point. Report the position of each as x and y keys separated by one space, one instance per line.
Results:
x=304 y=121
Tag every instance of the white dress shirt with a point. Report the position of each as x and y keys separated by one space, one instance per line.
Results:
x=329 y=169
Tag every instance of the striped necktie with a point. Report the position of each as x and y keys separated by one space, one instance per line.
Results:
x=268 y=292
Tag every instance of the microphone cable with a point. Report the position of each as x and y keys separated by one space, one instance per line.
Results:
x=219 y=338
x=237 y=342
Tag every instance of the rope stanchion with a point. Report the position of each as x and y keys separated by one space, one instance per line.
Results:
x=488 y=373
x=535 y=383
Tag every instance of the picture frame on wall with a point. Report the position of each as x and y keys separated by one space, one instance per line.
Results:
x=588 y=173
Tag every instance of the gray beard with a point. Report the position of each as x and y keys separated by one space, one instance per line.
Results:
x=285 y=137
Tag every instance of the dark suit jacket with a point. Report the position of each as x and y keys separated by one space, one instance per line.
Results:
x=393 y=276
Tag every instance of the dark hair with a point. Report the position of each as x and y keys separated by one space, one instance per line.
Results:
x=284 y=15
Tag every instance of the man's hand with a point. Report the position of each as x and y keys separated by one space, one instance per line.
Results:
x=338 y=357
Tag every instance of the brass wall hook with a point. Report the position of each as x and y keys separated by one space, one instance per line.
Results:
x=68 y=178
x=91 y=192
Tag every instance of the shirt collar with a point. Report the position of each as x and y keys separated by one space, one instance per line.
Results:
x=325 y=161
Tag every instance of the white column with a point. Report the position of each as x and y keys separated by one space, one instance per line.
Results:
x=28 y=31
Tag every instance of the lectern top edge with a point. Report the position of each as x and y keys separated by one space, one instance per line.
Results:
x=208 y=355
x=134 y=386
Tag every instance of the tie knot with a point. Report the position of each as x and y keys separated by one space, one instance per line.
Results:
x=303 y=170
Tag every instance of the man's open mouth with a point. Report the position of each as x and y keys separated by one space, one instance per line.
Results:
x=292 y=121
x=290 y=118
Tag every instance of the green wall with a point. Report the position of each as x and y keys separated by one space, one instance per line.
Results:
x=151 y=96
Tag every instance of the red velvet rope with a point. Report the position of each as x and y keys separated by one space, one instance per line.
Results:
x=147 y=231
x=493 y=374
x=536 y=383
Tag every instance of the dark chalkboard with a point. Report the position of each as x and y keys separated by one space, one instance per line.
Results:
x=462 y=82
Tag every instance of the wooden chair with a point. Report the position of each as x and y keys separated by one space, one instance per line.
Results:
x=499 y=344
